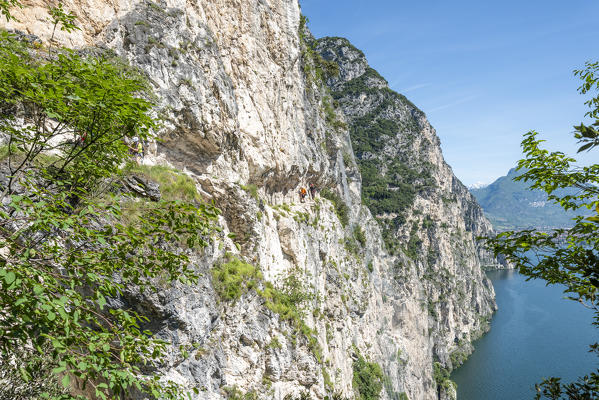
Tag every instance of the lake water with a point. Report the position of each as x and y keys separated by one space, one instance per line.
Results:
x=534 y=334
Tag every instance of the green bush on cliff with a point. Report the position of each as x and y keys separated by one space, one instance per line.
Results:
x=288 y=302
x=252 y=190
x=359 y=235
x=414 y=243
x=234 y=278
x=441 y=376
x=367 y=380
x=233 y=393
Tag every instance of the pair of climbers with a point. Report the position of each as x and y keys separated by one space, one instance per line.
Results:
x=303 y=193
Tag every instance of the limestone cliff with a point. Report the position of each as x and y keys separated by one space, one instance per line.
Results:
x=246 y=115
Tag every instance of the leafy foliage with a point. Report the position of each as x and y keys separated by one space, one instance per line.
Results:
x=589 y=135
x=6 y=5
x=59 y=16
x=65 y=257
x=69 y=97
x=567 y=257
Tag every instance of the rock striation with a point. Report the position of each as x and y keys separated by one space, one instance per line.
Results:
x=384 y=260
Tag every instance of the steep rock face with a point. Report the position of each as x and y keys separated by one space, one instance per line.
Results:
x=246 y=116
x=423 y=209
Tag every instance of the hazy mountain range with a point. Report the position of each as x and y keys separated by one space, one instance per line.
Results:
x=512 y=205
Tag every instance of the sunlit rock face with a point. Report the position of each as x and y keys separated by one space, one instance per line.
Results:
x=240 y=116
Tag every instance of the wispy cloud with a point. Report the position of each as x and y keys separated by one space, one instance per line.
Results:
x=415 y=87
x=453 y=103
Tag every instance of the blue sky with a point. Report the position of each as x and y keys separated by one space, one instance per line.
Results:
x=484 y=72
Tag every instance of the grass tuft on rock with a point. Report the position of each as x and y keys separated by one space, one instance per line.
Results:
x=234 y=278
x=174 y=185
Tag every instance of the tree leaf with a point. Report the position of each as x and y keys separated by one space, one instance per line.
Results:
x=58 y=370
x=586 y=147
x=66 y=381
x=9 y=277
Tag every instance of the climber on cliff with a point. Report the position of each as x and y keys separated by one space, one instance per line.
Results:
x=136 y=150
x=140 y=152
x=312 y=190
x=302 y=193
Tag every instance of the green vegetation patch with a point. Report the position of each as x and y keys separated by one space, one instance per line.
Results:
x=359 y=85
x=390 y=192
x=368 y=379
x=174 y=185
x=341 y=209
x=288 y=303
x=359 y=235
x=316 y=68
x=52 y=286
x=233 y=393
x=251 y=189
x=415 y=243
x=441 y=376
x=234 y=278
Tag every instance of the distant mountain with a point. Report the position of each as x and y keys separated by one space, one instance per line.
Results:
x=478 y=185
x=512 y=205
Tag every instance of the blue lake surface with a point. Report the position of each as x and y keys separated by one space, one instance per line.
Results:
x=536 y=333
